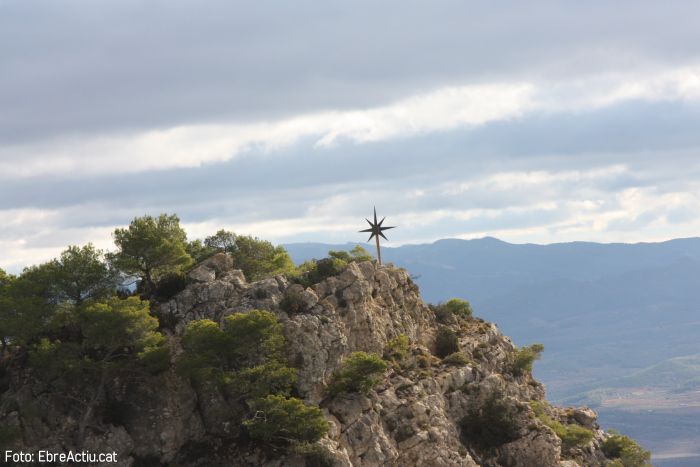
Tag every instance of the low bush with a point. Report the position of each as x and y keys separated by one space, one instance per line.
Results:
x=571 y=435
x=315 y=271
x=525 y=357
x=446 y=342
x=325 y=268
x=314 y=454
x=357 y=254
x=155 y=359
x=492 y=424
x=454 y=308
x=281 y=421
x=625 y=451
x=457 y=359
x=293 y=302
x=397 y=348
x=539 y=408
x=359 y=372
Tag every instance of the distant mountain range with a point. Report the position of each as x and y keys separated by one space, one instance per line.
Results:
x=620 y=322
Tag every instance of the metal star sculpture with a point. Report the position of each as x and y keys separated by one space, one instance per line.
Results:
x=376 y=229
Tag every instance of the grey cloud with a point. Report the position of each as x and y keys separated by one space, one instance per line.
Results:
x=284 y=182
x=85 y=67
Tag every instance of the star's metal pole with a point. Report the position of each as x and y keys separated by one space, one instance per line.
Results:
x=379 y=251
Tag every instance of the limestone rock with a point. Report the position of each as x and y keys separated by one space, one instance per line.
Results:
x=202 y=274
x=540 y=448
x=585 y=417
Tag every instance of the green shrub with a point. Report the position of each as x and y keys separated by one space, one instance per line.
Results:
x=357 y=254
x=205 y=349
x=325 y=268
x=446 y=342
x=359 y=372
x=113 y=336
x=314 y=454
x=340 y=255
x=315 y=271
x=245 y=359
x=492 y=424
x=254 y=338
x=538 y=407
x=456 y=307
x=246 y=340
x=571 y=435
x=257 y=258
x=441 y=315
x=397 y=348
x=199 y=251
x=281 y=421
x=525 y=357
x=259 y=381
x=456 y=358
x=155 y=359
x=625 y=450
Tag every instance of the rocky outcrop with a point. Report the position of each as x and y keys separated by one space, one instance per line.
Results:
x=415 y=416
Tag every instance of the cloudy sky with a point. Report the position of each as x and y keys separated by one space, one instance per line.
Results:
x=545 y=122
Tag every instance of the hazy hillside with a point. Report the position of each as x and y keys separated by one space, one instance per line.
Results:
x=620 y=322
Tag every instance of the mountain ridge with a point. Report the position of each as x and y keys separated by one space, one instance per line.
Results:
x=601 y=310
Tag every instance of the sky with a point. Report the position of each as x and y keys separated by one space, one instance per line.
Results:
x=527 y=121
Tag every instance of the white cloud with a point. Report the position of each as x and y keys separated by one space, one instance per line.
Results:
x=561 y=214
x=194 y=145
x=32 y=236
x=610 y=88
x=527 y=180
x=440 y=110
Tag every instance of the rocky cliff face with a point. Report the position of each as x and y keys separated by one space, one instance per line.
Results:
x=415 y=416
